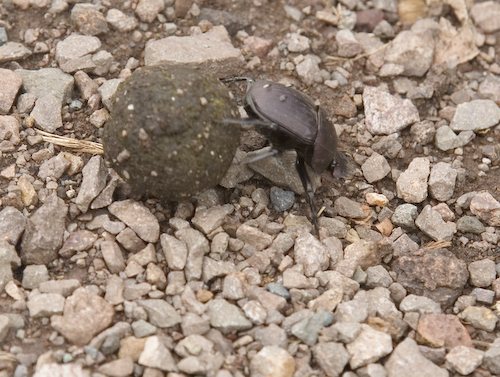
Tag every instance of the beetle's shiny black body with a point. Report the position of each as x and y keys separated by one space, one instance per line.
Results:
x=290 y=120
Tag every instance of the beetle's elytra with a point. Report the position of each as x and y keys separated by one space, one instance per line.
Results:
x=291 y=120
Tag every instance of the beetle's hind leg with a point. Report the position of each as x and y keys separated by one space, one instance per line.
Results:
x=306 y=182
x=260 y=154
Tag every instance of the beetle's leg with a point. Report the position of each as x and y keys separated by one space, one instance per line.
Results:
x=306 y=182
x=260 y=154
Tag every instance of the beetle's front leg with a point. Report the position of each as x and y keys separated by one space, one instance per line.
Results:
x=306 y=182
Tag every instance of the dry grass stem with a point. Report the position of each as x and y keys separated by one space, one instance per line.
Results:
x=75 y=144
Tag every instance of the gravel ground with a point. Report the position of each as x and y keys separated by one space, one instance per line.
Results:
x=402 y=278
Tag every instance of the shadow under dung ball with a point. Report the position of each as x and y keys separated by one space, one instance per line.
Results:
x=164 y=135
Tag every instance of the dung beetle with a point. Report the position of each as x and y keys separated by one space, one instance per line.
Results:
x=289 y=119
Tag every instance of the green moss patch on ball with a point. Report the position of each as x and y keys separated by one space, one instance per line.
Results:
x=165 y=134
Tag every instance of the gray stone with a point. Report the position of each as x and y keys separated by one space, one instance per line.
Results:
x=442 y=181
x=272 y=335
x=88 y=19
x=470 y=224
x=175 y=251
x=345 y=332
x=138 y=218
x=446 y=139
x=308 y=70
x=311 y=253
x=47 y=113
x=349 y=208
x=420 y=304
x=479 y=317
x=113 y=256
x=282 y=172
x=407 y=361
x=226 y=317
x=423 y=132
x=81 y=240
x=118 y=368
x=296 y=42
x=9 y=133
x=483 y=296
x=114 y=290
x=307 y=330
x=107 y=91
x=370 y=346
x=85 y=315
x=413 y=50
x=148 y=10
x=405 y=215
x=103 y=61
x=437 y=274
x=105 y=197
x=482 y=273
x=475 y=115
x=10 y=82
x=45 y=305
x=209 y=219
x=490 y=88
x=386 y=114
x=74 y=52
x=157 y=355
x=34 y=275
x=197 y=246
x=431 y=223
x=253 y=236
x=63 y=287
x=294 y=13
x=378 y=276
x=348 y=45
x=282 y=200
x=388 y=146
x=8 y=260
x=272 y=361
x=53 y=369
x=54 y=167
x=4 y=327
x=13 y=51
x=120 y=21
x=335 y=227
x=12 y=224
x=486 y=16
x=213 y=269
x=143 y=329
x=278 y=290
x=192 y=323
x=412 y=183
x=486 y=208
x=94 y=173
x=238 y=172
x=332 y=357
x=130 y=241
x=211 y=52
x=491 y=360
x=44 y=232
x=160 y=313
x=375 y=168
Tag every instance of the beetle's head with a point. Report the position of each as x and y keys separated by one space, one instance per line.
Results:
x=339 y=165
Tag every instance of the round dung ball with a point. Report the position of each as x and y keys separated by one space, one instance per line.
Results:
x=166 y=136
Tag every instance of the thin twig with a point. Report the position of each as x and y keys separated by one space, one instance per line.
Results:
x=84 y=146
x=338 y=58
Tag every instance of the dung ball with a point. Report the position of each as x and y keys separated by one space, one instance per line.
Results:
x=165 y=135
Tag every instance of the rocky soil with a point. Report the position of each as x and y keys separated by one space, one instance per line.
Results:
x=402 y=279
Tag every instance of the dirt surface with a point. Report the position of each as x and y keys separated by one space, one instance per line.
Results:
x=266 y=20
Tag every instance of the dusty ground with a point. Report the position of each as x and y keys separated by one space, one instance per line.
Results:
x=267 y=21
